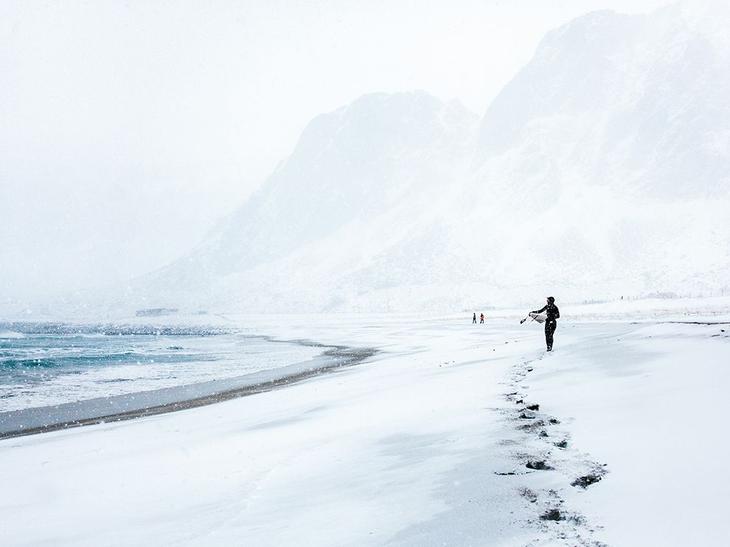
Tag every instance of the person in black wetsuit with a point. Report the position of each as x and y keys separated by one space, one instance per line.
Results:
x=553 y=313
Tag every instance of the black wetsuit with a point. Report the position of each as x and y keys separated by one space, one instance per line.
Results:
x=553 y=313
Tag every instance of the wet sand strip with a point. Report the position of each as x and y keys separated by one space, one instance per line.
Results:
x=337 y=357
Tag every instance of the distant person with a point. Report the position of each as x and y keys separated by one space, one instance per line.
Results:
x=481 y=318
x=553 y=313
x=474 y=320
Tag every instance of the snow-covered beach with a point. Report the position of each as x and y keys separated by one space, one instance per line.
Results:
x=242 y=245
x=428 y=442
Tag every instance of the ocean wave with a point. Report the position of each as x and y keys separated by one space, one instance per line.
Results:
x=10 y=334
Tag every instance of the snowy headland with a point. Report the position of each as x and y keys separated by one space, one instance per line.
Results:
x=453 y=434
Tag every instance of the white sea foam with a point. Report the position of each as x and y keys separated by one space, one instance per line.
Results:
x=77 y=367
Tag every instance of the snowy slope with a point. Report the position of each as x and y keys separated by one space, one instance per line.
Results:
x=637 y=103
x=362 y=179
x=613 y=139
x=600 y=170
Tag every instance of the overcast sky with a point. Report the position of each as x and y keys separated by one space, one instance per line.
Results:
x=128 y=128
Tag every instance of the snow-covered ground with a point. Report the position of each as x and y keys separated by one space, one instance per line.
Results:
x=427 y=443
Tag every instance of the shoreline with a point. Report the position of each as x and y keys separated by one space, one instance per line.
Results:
x=337 y=358
x=460 y=435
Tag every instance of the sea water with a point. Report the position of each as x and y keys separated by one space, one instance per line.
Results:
x=46 y=365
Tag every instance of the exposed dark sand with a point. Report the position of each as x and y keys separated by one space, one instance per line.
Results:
x=335 y=358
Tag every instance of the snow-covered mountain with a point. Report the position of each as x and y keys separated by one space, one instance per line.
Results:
x=602 y=169
x=356 y=183
x=614 y=138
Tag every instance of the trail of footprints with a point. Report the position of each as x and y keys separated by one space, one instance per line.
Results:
x=547 y=447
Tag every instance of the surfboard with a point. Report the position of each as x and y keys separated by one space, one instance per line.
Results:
x=539 y=317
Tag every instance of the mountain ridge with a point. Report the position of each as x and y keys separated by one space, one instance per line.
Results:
x=600 y=170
